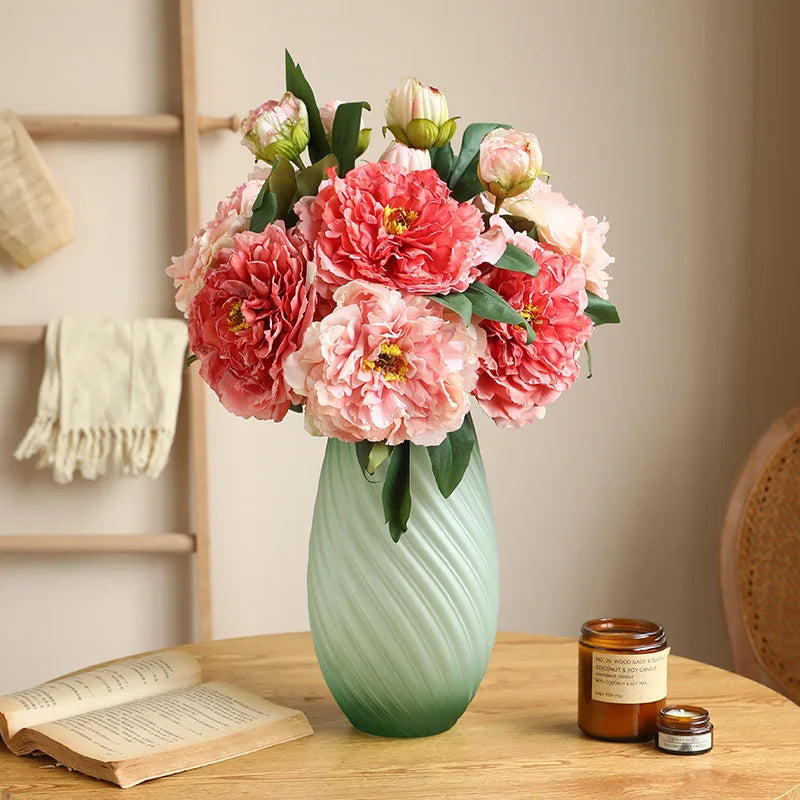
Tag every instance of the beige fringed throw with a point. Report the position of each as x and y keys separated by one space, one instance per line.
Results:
x=109 y=397
x=35 y=218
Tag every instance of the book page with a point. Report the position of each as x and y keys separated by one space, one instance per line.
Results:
x=164 y=722
x=116 y=683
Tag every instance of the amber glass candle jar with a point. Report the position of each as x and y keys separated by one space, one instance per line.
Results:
x=684 y=730
x=622 y=678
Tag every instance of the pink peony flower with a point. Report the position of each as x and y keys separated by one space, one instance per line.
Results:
x=408 y=157
x=233 y=216
x=563 y=225
x=516 y=381
x=383 y=366
x=509 y=162
x=385 y=225
x=249 y=316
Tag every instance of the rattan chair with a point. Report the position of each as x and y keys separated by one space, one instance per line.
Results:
x=760 y=560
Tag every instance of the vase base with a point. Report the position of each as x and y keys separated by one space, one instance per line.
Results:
x=395 y=729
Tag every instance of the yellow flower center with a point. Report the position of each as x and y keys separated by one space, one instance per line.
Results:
x=531 y=313
x=398 y=220
x=236 y=321
x=391 y=363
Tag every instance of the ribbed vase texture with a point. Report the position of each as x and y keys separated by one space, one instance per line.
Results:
x=403 y=631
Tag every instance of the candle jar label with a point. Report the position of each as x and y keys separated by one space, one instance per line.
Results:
x=684 y=744
x=629 y=677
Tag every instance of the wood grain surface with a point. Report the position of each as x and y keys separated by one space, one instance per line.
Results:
x=517 y=740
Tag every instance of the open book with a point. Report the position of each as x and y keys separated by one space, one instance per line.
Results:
x=143 y=718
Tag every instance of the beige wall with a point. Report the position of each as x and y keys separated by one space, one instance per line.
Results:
x=611 y=505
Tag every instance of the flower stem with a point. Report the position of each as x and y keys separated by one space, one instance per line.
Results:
x=498 y=204
x=298 y=162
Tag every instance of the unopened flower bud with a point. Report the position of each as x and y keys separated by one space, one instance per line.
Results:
x=409 y=157
x=417 y=115
x=328 y=113
x=277 y=128
x=510 y=160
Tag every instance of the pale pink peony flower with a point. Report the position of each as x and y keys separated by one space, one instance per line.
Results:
x=383 y=224
x=233 y=216
x=516 y=381
x=410 y=158
x=509 y=162
x=277 y=128
x=563 y=225
x=384 y=366
x=249 y=316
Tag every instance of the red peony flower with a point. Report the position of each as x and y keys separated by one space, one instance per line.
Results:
x=385 y=225
x=249 y=316
x=516 y=381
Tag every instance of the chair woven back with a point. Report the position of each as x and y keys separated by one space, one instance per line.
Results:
x=760 y=559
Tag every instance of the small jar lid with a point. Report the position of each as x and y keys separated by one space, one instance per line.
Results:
x=684 y=718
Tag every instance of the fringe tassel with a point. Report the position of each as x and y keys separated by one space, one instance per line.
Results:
x=40 y=438
x=94 y=452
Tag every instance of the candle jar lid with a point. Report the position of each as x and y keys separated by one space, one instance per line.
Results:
x=622 y=633
x=684 y=730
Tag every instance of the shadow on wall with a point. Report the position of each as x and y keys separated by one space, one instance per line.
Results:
x=774 y=347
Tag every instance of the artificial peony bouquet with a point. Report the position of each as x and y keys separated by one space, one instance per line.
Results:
x=376 y=298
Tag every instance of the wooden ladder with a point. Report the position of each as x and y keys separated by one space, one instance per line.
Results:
x=190 y=125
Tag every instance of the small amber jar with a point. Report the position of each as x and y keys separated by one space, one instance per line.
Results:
x=684 y=730
x=622 y=678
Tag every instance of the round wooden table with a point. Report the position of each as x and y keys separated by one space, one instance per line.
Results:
x=518 y=739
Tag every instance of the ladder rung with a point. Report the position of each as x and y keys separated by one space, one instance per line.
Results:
x=75 y=126
x=21 y=334
x=91 y=543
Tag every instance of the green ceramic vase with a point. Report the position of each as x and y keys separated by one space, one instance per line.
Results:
x=403 y=631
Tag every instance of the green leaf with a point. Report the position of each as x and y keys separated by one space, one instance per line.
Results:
x=265 y=208
x=450 y=459
x=309 y=179
x=456 y=301
x=467 y=187
x=363 y=449
x=488 y=304
x=518 y=260
x=464 y=182
x=601 y=312
x=297 y=84
x=283 y=184
x=442 y=159
x=521 y=225
x=344 y=135
x=379 y=453
x=396 y=494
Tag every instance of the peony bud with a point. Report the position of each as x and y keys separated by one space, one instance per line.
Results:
x=509 y=162
x=277 y=128
x=328 y=114
x=409 y=157
x=417 y=115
